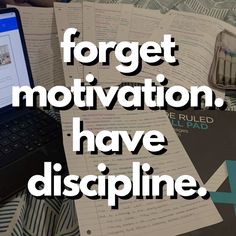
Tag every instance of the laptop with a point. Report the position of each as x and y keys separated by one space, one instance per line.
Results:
x=28 y=137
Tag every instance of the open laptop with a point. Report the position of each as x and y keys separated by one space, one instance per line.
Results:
x=28 y=137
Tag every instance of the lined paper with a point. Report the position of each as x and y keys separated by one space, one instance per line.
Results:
x=41 y=37
x=135 y=216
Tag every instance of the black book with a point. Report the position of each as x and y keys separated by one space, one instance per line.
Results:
x=209 y=137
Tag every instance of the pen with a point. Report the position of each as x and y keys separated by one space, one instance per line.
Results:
x=221 y=66
x=233 y=70
x=227 y=68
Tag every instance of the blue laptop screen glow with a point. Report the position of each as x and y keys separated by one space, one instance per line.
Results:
x=13 y=70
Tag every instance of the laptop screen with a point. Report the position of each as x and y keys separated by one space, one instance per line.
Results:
x=13 y=70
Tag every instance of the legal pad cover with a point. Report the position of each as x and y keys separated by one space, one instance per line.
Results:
x=209 y=137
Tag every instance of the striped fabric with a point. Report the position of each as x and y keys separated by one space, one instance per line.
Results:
x=206 y=8
x=24 y=215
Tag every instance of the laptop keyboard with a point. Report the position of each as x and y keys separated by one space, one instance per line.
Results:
x=25 y=134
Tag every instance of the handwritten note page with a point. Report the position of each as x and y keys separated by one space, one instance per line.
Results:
x=67 y=16
x=70 y=16
x=40 y=32
x=195 y=35
x=136 y=217
x=137 y=25
x=101 y=22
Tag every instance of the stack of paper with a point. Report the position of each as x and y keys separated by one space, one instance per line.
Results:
x=107 y=22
